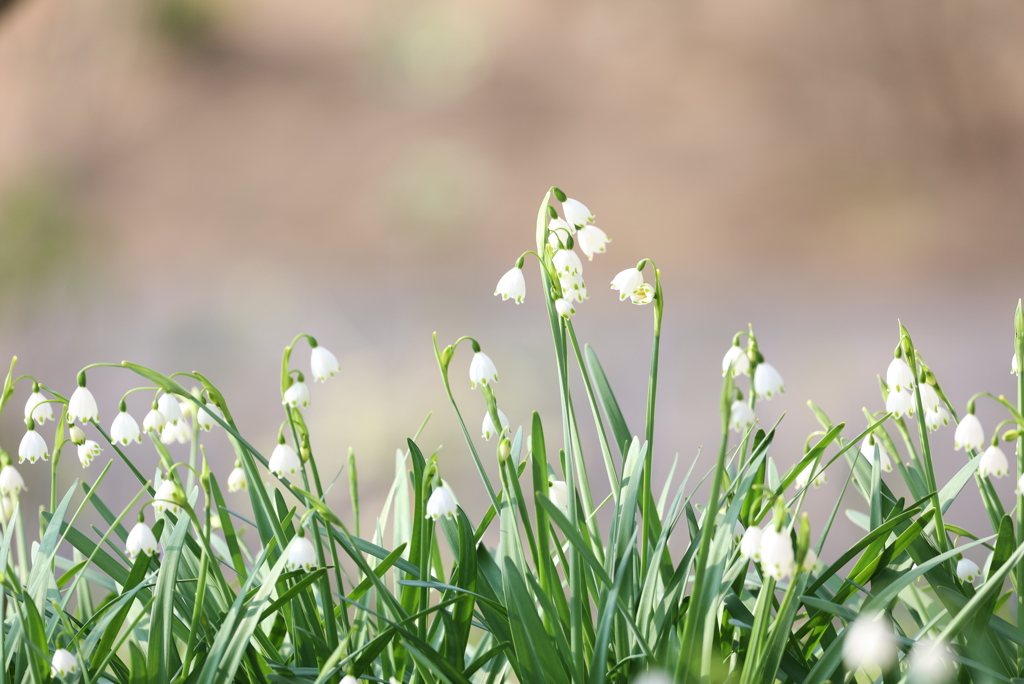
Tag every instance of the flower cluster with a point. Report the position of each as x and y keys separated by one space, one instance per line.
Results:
x=773 y=549
x=765 y=384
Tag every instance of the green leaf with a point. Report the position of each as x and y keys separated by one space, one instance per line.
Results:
x=603 y=388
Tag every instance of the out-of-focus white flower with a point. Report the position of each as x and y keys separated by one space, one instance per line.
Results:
x=627 y=281
x=767 y=381
x=236 y=480
x=869 y=642
x=168 y=497
x=296 y=395
x=323 y=364
x=6 y=508
x=576 y=213
x=87 y=451
x=591 y=240
x=900 y=403
x=141 y=540
x=33 y=446
x=737 y=357
x=993 y=463
x=573 y=287
x=929 y=397
x=567 y=262
x=170 y=408
x=930 y=663
x=653 y=677
x=82 y=406
x=805 y=476
x=154 y=421
x=967 y=570
x=867 y=450
x=899 y=377
x=300 y=554
x=741 y=416
x=440 y=504
x=969 y=433
x=1013 y=364
x=204 y=417
x=750 y=545
x=488 y=429
x=180 y=432
x=63 y=663
x=513 y=285
x=482 y=370
x=124 y=430
x=1019 y=491
x=349 y=679
x=643 y=294
x=10 y=481
x=284 y=462
x=558 y=492
x=777 y=558
x=810 y=560
x=564 y=308
x=937 y=418
x=737 y=532
x=37 y=408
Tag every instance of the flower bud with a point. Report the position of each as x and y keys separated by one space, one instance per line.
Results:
x=77 y=434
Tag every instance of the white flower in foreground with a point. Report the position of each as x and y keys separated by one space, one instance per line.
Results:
x=654 y=677
x=63 y=663
x=87 y=451
x=124 y=430
x=296 y=395
x=993 y=463
x=805 y=476
x=180 y=432
x=564 y=308
x=300 y=554
x=76 y=434
x=869 y=642
x=592 y=240
x=154 y=421
x=899 y=377
x=323 y=364
x=37 y=408
x=930 y=663
x=82 y=406
x=767 y=381
x=1013 y=364
x=810 y=560
x=750 y=545
x=558 y=492
x=567 y=261
x=929 y=397
x=937 y=418
x=573 y=287
x=737 y=532
x=482 y=370
x=627 y=281
x=349 y=679
x=737 y=357
x=168 y=497
x=141 y=540
x=576 y=213
x=204 y=418
x=488 y=429
x=967 y=570
x=10 y=481
x=867 y=450
x=440 y=504
x=560 y=228
x=513 y=285
x=643 y=294
x=284 y=461
x=33 y=446
x=900 y=403
x=1019 y=491
x=237 y=481
x=777 y=558
x=969 y=433
x=741 y=416
x=170 y=408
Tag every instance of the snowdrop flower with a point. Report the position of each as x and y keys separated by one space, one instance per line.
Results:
x=33 y=446
x=168 y=497
x=1013 y=364
x=284 y=461
x=741 y=416
x=37 y=408
x=867 y=450
x=170 y=408
x=141 y=540
x=76 y=434
x=805 y=476
x=560 y=228
x=900 y=403
x=767 y=381
x=564 y=308
x=777 y=559
x=737 y=532
x=967 y=570
x=750 y=545
x=322 y=363
x=488 y=428
x=6 y=509
x=993 y=463
x=10 y=481
x=296 y=395
x=869 y=642
x=937 y=418
x=236 y=480
x=87 y=451
x=592 y=240
x=204 y=418
x=642 y=295
x=810 y=560
x=929 y=397
x=899 y=377
x=930 y=662
x=82 y=406
x=349 y=679
x=513 y=285
x=627 y=281
x=1019 y=491
x=969 y=433
x=566 y=261
x=300 y=554
x=576 y=213
x=154 y=421
x=482 y=370
x=180 y=432
x=738 y=359
x=440 y=504
x=124 y=430
x=63 y=663
x=573 y=287
x=654 y=677
x=558 y=492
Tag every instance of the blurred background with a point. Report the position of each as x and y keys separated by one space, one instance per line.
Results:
x=189 y=183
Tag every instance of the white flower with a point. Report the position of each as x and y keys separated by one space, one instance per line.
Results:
x=154 y=421
x=168 y=497
x=993 y=463
x=937 y=418
x=236 y=480
x=82 y=406
x=869 y=643
x=63 y=663
x=627 y=281
x=737 y=532
x=1019 y=491
x=643 y=294
x=564 y=308
x=124 y=430
x=482 y=370
x=573 y=287
x=204 y=418
x=170 y=408
x=767 y=381
x=440 y=504
x=32 y=447
x=37 y=408
x=76 y=434
x=967 y=570
x=576 y=213
x=810 y=560
x=750 y=545
x=179 y=432
x=930 y=663
x=741 y=416
x=349 y=679
x=867 y=449
x=929 y=397
x=186 y=407
x=1013 y=364
x=10 y=481
x=566 y=261
x=558 y=492
x=560 y=228
x=323 y=364
x=969 y=433
x=777 y=559
x=6 y=509
x=141 y=540
x=805 y=476
x=300 y=554
x=900 y=403
x=737 y=357
x=899 y=376
x=488 y=428
x=296 y=395
x=591 y=240
x=284 y=461
x=87 y=451
x=513 y=285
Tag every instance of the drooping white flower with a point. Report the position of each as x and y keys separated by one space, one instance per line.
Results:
x=805 y=476
x=168 y=497
x=82 y=406
x=567 y=261
x=440 y=504
x=867 y=450
x=488 y=429
x=560 y=227
x=141 y=540
x=869 y=642
x=810 y=560
x=180 y=432
x=737 y=357
x=643 y=294
x=296 y=395
x=63 y=663
x=204 y=417
x=777 y=558
x=900 y=403
x=170 y=408
x=930 y=663
x=558 y=492
x=969 y=433
x=737 y=532
x=482 y=370
x=154 y=421
x=1019 y=491
x=750 y=545
x=929 y=397
x=33 y=446
x=284 y=462
x=576 y=213
x=76 y=434
x=741 y=416
x=37 y=408
x=573 y=287
x=124 y=430
x=323 y=364
x=591 y=240
x=937 y=418
x=349 y=679
x=87 y=451
x=627 y=281
x=993 y=463
x=1014 y=369
x=10 y=481
x=236 y=480
x=512 y=284
x=899 y=377
x=967 y=570
x=767 y=381
x=564 y=308
x=300 y=554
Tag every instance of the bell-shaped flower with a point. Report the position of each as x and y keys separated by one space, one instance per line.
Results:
x=1019 y=491
x=170 y=408
x=513 y=285
x=573 y=287
x=558 y=493
x=810 y=560
x=993 y=463
x=284 y=462
x=627 y=281
x=967 y=570
x=349 y=679
x=204 y=417
x=930 y=663
x=297 y=395
x=560 y=229
x=564 y=308
x=63 y=663
x=37 y=407
x=591 y=240
x=154 y=421
x=141 y=540
x=82 y=406
x=937 y=418
x=323 y=364
x=301 y=555
x=867 y=450
x=1014 y=368
x=124 y=430
x=10 y=481
x=737 y=532
x=900 y=403
x=750 y=545
x=236 y=480
x=777 y=558
x=440 y=504
x=969 y=433
x=180 y=432
x=76 y=434
x=33 y=446
x=741 y=416
x=168 y=497
x=488 y=429
x=576 y=213
x=566 y=261
x=899 y=377
x=643 y=294
x=869 y=642
x=87 y=451
x=767 y=381
x=738 y=359
x=482 y=370
x=804 y=477
x=929 y=397
x=6 y=509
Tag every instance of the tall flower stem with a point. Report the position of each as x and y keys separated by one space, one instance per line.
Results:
x=651 y=526
x=1018 y=349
